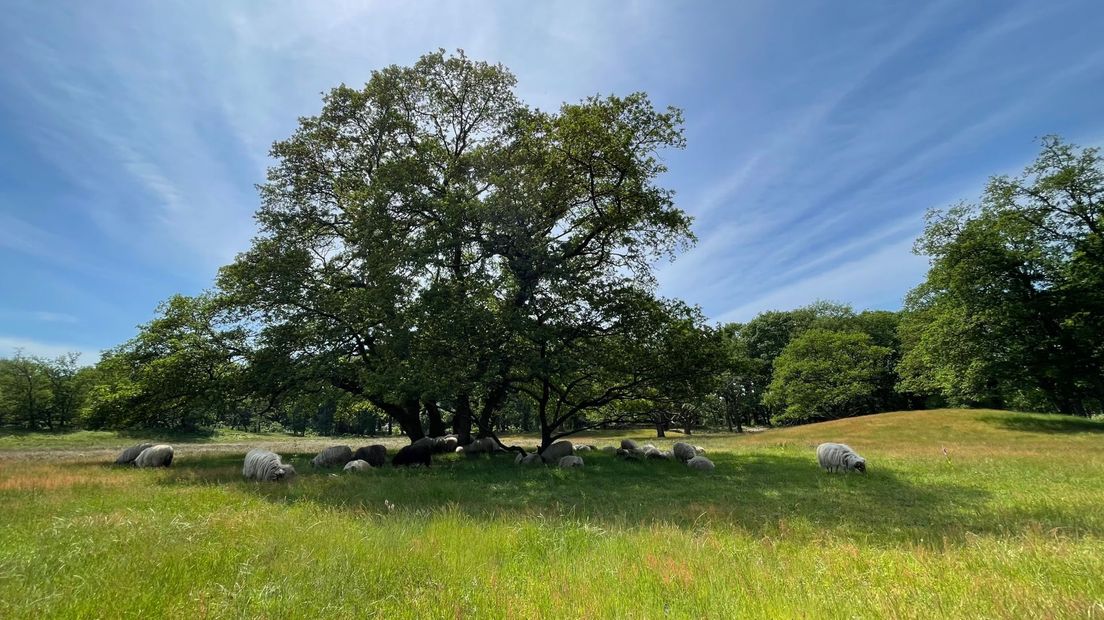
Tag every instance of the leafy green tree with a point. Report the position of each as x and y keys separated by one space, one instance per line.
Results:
x=432 y=245
x=1012 y=311
x=825 y=374
x=754 y=347
x=182 y=371
x=68 y=389
x=25 y=396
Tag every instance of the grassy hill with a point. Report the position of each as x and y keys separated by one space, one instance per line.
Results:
x=964 y=513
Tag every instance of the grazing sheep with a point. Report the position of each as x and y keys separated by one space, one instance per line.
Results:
x=532 y=459
x=651 y=452
x=628 y=444
x=357 y=465
x=635 y=454
x=126 y=457
x=439 y=445
x=160 y=455
x=448 y=443
x=683 y=451
x=556 y=451
x=699 y=450
x=700 y=463
x=479 y=446
x=413 y=454
x=265 y=466
x=837 y=457
x=334 y=456
x=571 y=461
x=583 y=448
x=375 y=455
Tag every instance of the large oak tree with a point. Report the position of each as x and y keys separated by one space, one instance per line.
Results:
x=432 y=244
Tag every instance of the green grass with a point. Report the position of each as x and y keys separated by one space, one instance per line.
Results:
x=1008 y=522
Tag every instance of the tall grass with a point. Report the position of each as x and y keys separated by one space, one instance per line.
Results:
x=963 y=514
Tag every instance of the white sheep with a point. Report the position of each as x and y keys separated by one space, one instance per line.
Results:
x=266 y=466
x=160 y=455
x=479 y=446
x=126 y=457
x=556 y=451
x=533 y=458
x=683 y=451
x=837 y=457
x=334 y=456
x=700 y=463
x=571 y=461
x=357 y=465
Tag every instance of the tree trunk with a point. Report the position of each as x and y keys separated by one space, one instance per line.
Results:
x=408 y=416
x=462 y=420
x=495 y=397
x=412 y=423
x=660 y=433
x=30 y=403
x=542 y=415
x=437 y=426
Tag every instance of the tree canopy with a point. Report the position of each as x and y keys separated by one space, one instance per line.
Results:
x=1012 y=310
x=429 y=242
x=825 y=374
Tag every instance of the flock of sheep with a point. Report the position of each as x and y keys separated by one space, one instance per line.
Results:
x=264 y=465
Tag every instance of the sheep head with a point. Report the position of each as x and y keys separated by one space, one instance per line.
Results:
x=286 y=472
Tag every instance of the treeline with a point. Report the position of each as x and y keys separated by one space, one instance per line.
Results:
x=788 y=367
x=44 y=393
x=821 y=362
x=434 y=256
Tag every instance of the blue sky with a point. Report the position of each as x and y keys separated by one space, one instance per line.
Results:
x=132 y=133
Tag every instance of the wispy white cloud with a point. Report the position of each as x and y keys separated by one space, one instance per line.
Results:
x=873 y=281
x=54 y=317
x=848 y=176
x=26 y=238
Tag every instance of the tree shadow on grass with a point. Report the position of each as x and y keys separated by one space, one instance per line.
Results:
x=765 y=495
x=1042 y=423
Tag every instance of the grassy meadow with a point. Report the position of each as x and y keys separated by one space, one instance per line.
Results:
x=964 y=513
